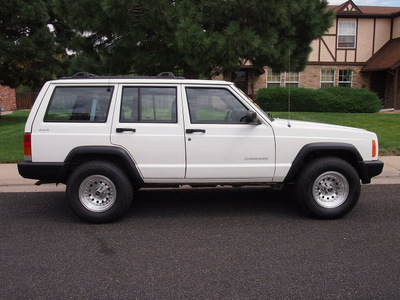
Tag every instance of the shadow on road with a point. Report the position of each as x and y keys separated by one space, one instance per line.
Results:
x=159 y=203
x=213 y=202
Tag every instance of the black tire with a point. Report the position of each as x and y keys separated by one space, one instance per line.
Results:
x=328 y=187
x=99 y=192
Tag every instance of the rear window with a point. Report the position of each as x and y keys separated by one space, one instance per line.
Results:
x=79 y=104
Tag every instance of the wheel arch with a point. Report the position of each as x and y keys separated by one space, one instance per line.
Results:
x=309 y=152
x=116 y=155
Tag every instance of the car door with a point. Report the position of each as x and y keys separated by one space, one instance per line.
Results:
x=148 y=125
x=220 y=144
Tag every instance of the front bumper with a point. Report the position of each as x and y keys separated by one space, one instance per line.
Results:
x=369 y=169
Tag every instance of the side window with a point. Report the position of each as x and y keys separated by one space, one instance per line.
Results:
x=79 y=104
x=214 y=105
x=148 y=104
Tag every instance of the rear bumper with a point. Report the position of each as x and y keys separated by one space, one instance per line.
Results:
x=48 y=172
x=369 y=169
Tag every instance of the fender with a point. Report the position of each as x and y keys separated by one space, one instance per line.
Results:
x=103 y=152
x=348 y=151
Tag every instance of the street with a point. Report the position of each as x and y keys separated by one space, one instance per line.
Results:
x=249 y=243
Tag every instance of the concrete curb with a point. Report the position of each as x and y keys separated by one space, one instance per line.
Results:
x=12 y=182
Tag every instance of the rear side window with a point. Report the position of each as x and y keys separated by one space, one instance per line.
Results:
x=79 y=104
x=148 y=105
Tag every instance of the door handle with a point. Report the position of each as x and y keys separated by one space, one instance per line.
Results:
x=125 y=129
x=195 y=130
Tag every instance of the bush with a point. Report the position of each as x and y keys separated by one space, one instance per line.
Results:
x=331 y=99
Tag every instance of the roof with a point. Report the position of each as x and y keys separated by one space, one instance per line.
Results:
x=388 y=57
x=162 y=78
x=349 y=8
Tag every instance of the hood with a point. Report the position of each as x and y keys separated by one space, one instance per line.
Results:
x=315 y=125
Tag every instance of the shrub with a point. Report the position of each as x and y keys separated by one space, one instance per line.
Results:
x=331 y=99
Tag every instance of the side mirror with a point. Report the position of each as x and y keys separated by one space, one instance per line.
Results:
x=251 y=118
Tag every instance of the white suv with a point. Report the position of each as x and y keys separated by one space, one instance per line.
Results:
x=105 y=137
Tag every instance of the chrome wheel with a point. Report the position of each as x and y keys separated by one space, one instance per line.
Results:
x=330 y=189
x=97 y=193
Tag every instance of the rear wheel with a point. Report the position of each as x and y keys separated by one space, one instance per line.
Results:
x=99 y=192
x=328 y=187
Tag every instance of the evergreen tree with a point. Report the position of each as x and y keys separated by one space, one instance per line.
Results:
x=198 y=37
x=150 y=36
x=32 y=41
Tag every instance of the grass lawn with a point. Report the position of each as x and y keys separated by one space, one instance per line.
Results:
x=12 y=136
x=386 y=126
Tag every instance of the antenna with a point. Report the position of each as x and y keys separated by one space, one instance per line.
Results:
x=288 y=95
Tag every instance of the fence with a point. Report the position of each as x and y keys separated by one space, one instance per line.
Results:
x=26 y=100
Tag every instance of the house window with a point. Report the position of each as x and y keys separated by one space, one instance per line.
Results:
x=327 y=78
x=346 y=34
x=292 y=79
x=345 y=78
x=273 y=78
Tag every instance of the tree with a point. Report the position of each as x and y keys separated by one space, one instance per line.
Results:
x=150 y=36
x=32 y=43
x=259 y=31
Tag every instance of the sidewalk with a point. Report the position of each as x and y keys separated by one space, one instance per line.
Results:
x=12 y=182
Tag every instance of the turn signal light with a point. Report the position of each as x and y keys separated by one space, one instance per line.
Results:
x=27 y=147
x=374 y=148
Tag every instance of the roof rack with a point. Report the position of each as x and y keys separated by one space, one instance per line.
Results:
x=87 y=75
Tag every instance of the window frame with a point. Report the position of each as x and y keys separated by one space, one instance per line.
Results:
x=72 y=121
x=139 y=113
x=274 y=82
x=339 y=34
x=291 y=81
x=216 y=122
x=334 y=77
x=346 y=82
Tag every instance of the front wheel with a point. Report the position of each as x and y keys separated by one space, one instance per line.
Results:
x=328 y=187
x=99 y=192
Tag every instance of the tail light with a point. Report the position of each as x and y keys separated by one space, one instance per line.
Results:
x=27 y=147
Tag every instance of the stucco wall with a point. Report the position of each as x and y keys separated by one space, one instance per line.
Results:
x=382 y=32
x=365 y=37
x=396 y=27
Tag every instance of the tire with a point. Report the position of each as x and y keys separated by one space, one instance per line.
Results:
x=328 y=188
x=99 y=192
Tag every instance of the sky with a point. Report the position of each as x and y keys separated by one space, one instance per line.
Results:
x=394 y=3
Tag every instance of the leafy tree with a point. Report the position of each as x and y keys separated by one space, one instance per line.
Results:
x=31 y=50
x=197 y=36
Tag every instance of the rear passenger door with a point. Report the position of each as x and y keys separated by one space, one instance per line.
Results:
x=147 y=123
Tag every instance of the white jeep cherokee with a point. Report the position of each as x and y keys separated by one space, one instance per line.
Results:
x=108 y=136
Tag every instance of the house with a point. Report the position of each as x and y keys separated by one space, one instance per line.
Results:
x=7 y=98
x=361 y=50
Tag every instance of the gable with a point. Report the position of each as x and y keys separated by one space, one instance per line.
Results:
x=348 y=8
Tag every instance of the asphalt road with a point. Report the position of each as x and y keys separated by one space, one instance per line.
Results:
x=201 y=244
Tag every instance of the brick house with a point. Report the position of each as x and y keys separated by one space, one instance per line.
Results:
x=361 y=49
x=7 y=98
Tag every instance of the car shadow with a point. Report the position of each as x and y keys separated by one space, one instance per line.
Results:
x=197 y=202
x=161 y=203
